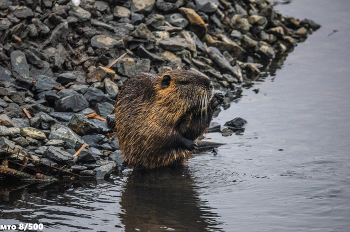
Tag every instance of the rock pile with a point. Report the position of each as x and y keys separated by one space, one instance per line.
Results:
x=60 y=72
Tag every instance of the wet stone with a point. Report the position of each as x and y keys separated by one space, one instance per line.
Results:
x=127 y=67
x=214 y=127
x=102 y=126
x=220 y=60
x=73 y=103
x=5 y=4
x=81 y=14
x=104 y=109
x=33 y=133
x=5 y=24
x=82 y=125
x=236 y=123
x=55 y=142
x=44 y=83
x=79 y=88
x=104 y=170
x=5 y=75
x=117 y=157
x=62 y=116
x=143 y=32
x=19 y=64
x=121 y=12
x=59 y=155
x=21 y=141
x=5 y=121
x=21 y=122
x=111 y=88
x=88 y=173
x=174 y=44
x=6 y=145
x=177 y=20
x=66 y=93
x=227 y=132
x=85 y=156
x=61 y=132
x=78 y=168
x=102 y=41
x=23 y=12
x=142 y=6
x=41 y=150
x=93 y=140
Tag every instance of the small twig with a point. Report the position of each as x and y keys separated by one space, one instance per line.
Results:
x=99 y=118
x=115 y=61
x=27 y=113
x=82 y=147
x=92 y=115
x=58 y=87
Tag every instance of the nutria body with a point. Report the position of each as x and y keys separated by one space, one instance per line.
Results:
x=158 y=117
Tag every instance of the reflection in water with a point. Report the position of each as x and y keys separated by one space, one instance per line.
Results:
x=164 y=199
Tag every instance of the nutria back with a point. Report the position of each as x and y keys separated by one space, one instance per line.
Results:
x=158 y=117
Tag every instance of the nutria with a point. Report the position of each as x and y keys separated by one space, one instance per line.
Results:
x=158 y=117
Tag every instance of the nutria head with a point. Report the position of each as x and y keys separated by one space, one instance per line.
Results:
x=182 y=91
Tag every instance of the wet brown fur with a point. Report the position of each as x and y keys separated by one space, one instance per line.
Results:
x=152 y=117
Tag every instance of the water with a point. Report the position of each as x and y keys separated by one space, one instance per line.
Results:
x=289 y=170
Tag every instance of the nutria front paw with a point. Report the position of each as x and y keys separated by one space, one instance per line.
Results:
x=217 y=99
x=188 y=144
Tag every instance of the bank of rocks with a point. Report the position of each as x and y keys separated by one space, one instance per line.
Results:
x=59 y=81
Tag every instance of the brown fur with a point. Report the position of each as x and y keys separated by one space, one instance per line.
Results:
x=154 y=114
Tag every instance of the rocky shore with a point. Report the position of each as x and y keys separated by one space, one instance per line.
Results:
x=61 y=66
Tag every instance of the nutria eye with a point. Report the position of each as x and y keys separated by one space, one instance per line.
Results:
x=166 y=80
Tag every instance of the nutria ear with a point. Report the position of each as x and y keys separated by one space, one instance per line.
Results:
x=166 y=80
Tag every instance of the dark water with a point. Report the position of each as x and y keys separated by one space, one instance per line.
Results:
x=289 y=170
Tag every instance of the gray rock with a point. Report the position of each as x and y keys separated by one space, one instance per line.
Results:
x=5 y=121
x=102 y=126
x=143 y=32
x=5 y=24
x=214 y=127
x=207 y=6
x=177 y=19
x=102 y=41
x=85 y=156
x=62 y=116
x=32 y=133
x=12 y=131
x=41 y=150
x=33 y=31
x=73 y=103
x=5 y=4
x=142 y=6
x=78 y=168
x=94 y=140
x=117 y=157
x=121 y=12
x=19 y=64
x=55 y=142
x=88 y=173
x=21 y=141
x=104 y=170
x=143 y=52
x=66 y=93
x=44 y=83
x=5 y=75
x=111 y=88
x=81 y=14
x=127 y=67
x=79 y=88
x=174 y=44
x=21 y=122
x=71 y=139
x=41 y=27
x=82 y=125
x=59 y=155
x=66 y=78
x=104 y=109
x=94 y=95
x=6 y=146
x=136 y=18
x=220 y=60
x=23 y=12
x=95 y=152
x=101 y=6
